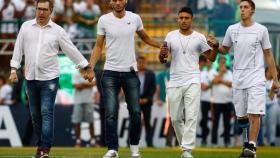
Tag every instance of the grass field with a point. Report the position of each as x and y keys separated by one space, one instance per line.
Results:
x=264 y=152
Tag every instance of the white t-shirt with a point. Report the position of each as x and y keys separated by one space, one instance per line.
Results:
x=184 y=68
x=6 y=94
x=120 y=42
x=221 y=93
x=206 y=78
x=248 y=44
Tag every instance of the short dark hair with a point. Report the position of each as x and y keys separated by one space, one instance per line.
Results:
x=51 y=3
x=186 y=10
x=251 y=3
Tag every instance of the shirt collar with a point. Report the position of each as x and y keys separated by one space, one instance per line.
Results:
x=49 y=24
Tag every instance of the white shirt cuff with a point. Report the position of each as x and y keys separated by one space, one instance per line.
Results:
x=83 y=64
x=15 y=64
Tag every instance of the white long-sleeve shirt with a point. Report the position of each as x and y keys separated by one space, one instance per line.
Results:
x=40 y=46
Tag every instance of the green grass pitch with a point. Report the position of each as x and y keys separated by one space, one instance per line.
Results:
x=262 y=152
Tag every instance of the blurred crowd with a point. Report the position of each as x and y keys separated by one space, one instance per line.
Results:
x=79 y=17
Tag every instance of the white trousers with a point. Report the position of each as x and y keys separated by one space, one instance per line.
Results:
x=184 y=105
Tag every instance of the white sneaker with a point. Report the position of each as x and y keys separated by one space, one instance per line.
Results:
x=135 y=151
x=111 y=154
x=135 y=155
x=186 y=154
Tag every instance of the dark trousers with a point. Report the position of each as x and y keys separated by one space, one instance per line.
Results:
x=205 y=108
x=41 y=95
x=146 y=110
x=226 y=110
x=112 y=82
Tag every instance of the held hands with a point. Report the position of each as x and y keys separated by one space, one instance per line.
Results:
x=163 y=54
x=88 y=74
x=212 y=42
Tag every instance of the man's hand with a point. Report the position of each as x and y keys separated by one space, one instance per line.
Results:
x=88 y=74
x=13 y=76
x=275 y=87
x=211 y=41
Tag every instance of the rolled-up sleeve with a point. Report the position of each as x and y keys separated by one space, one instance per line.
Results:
x=71 y=51
x=18 y=50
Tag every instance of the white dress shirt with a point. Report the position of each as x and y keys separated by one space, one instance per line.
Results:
x=40 y=46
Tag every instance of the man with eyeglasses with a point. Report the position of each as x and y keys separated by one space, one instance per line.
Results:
x=39 y=41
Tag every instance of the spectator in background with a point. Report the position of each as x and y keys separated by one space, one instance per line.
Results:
x=223 y=16
x=69 y=15
x=205 y=6
x=83 y=107
x=147 y=90
x=8 y=25
x=270 y=119
x=66 y=16
x=205 y=66
x=222 y=101
x=88 y=17
x=5 y=92
x=29 y=10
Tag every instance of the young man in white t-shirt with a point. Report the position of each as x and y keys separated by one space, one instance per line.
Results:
x=118 y=28
x=251 y=46
x=185 y=46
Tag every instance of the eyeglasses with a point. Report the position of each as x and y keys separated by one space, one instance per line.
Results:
x=42 y=9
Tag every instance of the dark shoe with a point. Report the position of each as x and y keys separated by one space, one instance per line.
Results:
x=249 y=151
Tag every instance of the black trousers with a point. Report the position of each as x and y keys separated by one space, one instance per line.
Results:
x=205 y=108
x=146 y=111
x=226 y=110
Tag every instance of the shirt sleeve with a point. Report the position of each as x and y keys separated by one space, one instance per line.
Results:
x=18 y=50
x=140 y=25
x=227 y=39
x=204 y=47
x=265 y=40
x=71 y=51
x=101 y=27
